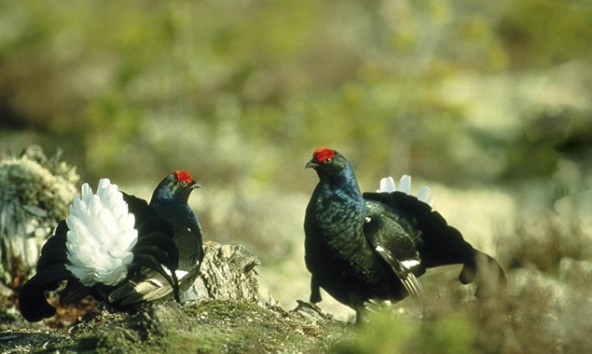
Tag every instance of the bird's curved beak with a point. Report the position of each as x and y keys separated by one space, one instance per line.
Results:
x=311 y=164
x=195 y=185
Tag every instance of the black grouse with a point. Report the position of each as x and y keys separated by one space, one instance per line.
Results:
x=119 y=249
x=374 y=246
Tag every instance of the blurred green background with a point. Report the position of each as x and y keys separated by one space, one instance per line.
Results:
x=456 y=91
x=489 y=102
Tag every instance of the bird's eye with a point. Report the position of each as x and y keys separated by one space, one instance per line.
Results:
x=328 y=160
x=183 y=183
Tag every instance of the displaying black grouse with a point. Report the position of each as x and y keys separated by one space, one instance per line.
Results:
x=374 y=246
x=119 y=249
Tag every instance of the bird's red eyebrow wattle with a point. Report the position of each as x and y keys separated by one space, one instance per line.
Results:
x=322 y=153
x=183 y=176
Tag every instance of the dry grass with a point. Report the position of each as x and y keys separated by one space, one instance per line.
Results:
x=541 y=240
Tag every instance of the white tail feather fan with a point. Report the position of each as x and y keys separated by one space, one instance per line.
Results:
x=405 y=184
x=101 y=235
x=387 y=185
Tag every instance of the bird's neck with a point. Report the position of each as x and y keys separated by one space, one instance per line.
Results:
x=337 y=208
x=343 y=186
x=173 y=208
x=339 y=198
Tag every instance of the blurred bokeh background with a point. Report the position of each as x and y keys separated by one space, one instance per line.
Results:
x=488 y=102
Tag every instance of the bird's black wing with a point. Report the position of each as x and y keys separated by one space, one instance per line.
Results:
x=395 y=242
x=51 y=272
x=189 y=243
x=156 y=259
x=440 y=244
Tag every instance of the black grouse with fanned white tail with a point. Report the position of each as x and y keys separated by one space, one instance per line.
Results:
x=374 y=246
x=119 y=249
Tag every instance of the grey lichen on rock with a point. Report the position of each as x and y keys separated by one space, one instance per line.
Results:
x=35 y=192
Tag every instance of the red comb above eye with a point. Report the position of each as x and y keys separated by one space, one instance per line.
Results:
x=323 y=153
x=183 y=176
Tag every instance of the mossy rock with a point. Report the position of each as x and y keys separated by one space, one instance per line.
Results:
x=211 y=326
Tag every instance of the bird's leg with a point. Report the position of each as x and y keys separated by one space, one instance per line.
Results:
x=361 y=312
x=315 y=290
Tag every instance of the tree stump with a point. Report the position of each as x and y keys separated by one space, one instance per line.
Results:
x=226 y=273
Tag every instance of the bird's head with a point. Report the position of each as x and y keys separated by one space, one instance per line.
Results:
x=327 y=162
x=178 y=183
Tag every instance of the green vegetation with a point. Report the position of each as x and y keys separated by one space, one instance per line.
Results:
x=386 y=334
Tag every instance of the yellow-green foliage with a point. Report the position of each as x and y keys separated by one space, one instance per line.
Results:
x=387 y=334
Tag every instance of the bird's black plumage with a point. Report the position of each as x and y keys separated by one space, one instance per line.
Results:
x=157 y=255
x=374 y=246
